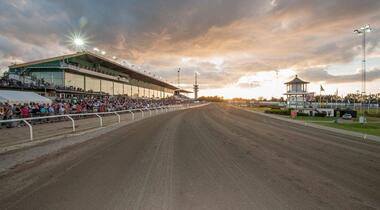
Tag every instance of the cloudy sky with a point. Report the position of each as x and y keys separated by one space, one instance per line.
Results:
x=243 y=48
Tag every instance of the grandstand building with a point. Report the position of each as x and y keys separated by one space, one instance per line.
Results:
x=89 y=73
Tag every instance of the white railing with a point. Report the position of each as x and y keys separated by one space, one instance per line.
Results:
x=100 y=115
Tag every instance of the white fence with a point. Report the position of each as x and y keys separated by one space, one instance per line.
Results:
x=100 y=115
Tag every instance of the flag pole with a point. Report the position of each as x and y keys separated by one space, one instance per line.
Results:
x=320 y=97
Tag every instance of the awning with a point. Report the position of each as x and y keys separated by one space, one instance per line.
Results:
x=21 y=97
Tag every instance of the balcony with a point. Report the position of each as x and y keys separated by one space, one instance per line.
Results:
x=299 y=92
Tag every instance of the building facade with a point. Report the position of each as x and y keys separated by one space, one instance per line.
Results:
x=90 y=73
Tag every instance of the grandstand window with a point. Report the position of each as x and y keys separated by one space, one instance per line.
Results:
x=152 y=93
x=74 y=80
x=107 y=87
x=135 y=91
x=127 y=90
x=52 y=77
x=147 y=92
x=118 y=88
x=139 y=89
x=142 y=91
x=92 y=84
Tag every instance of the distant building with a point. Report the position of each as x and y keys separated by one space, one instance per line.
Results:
x=296 y=93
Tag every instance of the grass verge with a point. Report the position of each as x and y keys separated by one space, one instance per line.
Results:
x=369 y=128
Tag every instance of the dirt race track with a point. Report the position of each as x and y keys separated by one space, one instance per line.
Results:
x=213 y=157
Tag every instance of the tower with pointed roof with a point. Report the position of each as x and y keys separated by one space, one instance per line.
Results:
x=296 y=92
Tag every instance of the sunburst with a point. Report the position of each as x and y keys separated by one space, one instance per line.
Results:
x=78 y=41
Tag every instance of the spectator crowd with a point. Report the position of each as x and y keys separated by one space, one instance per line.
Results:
x=74 y=105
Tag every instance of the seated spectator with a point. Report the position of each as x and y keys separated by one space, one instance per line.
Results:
x=7 y=112
x=61 y=110
x=78 y=108
x=25 y=111
x=43 y=109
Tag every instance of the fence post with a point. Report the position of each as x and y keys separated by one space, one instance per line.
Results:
x=30 y=129
x=150 y=112
x=133 y=114
x=142 y=113
x=118 y=117
x=101 y=120
x=72 y=120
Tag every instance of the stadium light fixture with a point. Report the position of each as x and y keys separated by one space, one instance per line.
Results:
x=362 y=31
x=96 y=49
x=78 y=41
x=114 y=57
x=103 y=52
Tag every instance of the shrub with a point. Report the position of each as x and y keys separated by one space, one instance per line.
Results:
x=320 y=114
x=301 y=114
x=278 y=111
x=274 y=107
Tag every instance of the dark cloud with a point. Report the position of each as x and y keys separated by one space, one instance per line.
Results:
x=139 y=22
x=321 y=75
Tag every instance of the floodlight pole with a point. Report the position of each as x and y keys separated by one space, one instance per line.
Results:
x=364 y=65
x=363 y=75
x=178 y=80
x=377 y=97
x=363 y=31
x=179 y=76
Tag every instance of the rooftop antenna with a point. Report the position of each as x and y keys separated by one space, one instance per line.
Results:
x=179 y=76
x=179 y=80
x=276 y=86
